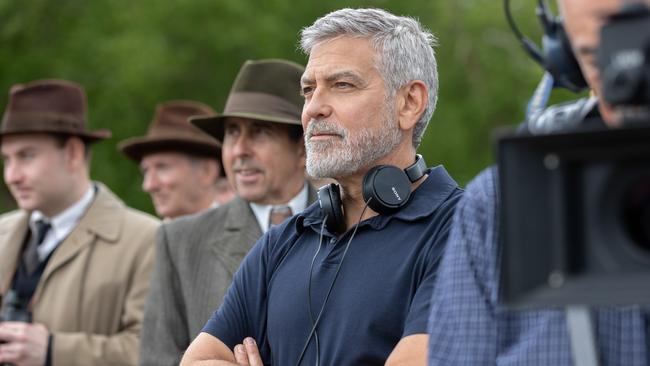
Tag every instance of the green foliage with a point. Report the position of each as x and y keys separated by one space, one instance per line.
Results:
x=132 y=55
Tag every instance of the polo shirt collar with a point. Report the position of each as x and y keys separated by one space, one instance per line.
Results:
x=426 y=199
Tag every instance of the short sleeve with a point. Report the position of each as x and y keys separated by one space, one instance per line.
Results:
x=417 y=319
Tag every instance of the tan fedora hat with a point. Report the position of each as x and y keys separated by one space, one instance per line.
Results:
x=266 y=90
x=170 y=130
x=48 y=106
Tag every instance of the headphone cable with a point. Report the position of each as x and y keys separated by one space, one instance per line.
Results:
x=329 y=291
x=528 y=45
x=311 y=271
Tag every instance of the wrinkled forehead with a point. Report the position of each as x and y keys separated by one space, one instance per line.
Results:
x=339 y=55
x=167 y=157
x=583 y=19
x=577 y=12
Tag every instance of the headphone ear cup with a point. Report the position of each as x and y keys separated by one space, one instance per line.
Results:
x=329 y=198
x=386 y=188
x=559 y=59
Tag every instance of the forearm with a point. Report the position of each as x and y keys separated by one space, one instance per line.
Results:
x=410 y=351
x=207 y=350
x=208 y=363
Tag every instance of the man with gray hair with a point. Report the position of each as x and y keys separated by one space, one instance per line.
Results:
x=349 y=282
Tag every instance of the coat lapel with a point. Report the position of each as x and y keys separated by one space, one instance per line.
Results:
x=240 y=232
x=97 y=221
x=12 y=237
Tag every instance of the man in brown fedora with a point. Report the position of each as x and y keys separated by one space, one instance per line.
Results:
x=181 y=164
x=264 y=159
x=74 y=259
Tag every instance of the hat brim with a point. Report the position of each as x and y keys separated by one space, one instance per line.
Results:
x=136 y=148
x=214 y=126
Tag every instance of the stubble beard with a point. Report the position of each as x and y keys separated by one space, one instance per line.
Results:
x=344 y=156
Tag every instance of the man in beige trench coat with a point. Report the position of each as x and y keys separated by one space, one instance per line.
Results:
x=73 y=256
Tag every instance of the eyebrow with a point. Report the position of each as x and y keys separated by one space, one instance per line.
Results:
x=333 y=77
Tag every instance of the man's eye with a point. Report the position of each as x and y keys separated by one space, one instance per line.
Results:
x=342 y=85
x=262 y=130
x=27 y=156
x=230 y=131
x=306 y=90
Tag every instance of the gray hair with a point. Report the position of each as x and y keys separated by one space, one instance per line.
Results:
x=404 y=49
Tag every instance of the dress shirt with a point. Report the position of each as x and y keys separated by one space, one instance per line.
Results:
x=62 y=224
x=262 y=212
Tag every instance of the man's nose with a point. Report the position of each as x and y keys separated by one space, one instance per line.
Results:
x=242 y=146
x=150 y=182
x=318 y=106
x=12 y=173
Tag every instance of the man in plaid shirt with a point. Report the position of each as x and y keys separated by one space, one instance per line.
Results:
x=468 y=325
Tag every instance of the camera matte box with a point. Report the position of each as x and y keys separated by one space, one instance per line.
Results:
x=565 y=238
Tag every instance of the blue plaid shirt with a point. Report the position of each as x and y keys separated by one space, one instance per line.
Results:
x=468 y=326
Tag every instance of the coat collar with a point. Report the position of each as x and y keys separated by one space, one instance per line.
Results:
x=239 y=209
x=240 y=217
x=240 y=222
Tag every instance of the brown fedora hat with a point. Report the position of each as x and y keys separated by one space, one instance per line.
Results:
x=48 y=106
x=171 y=130
x=266 y=90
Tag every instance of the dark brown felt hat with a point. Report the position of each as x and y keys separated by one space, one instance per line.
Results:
x=265 y=90
x=171 y=130
x=48 y=106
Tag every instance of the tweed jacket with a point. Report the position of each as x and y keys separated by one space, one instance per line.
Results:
x=92 y=292
x=196 y=258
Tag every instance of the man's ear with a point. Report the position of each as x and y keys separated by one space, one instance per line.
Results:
x=302 y=151
x=411 y=101
x=210 y=171
x=75 y=150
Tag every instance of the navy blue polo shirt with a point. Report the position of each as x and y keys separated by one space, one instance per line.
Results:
x=382 y=293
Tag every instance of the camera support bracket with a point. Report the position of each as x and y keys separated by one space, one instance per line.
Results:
x=581 y=332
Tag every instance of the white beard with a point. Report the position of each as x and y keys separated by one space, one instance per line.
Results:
x=343 y=156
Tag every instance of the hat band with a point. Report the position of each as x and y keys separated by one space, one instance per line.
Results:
x=41 y=122
x=262 y=104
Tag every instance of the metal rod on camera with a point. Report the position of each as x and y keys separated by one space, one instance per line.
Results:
x=581 y=332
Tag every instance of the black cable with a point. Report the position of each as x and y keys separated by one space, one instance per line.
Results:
x=311 y=271
x=528 y=45
x=329 y=291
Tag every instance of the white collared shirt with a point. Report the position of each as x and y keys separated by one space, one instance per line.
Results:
x=61 y=224
x=297 y=205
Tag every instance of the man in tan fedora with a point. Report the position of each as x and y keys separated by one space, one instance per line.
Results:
x=74 y=258
x=264 y=159
x=181 y=164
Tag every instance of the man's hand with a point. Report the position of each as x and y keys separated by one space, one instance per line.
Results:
x=26 y=343
x=248 y=354
x=207 y=350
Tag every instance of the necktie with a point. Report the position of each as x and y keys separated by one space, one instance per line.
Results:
x=30 y=257
x=279 y=214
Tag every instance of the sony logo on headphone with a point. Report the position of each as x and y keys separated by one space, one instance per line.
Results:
x=396 y=194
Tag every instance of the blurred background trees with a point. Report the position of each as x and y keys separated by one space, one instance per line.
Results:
x=130 y=55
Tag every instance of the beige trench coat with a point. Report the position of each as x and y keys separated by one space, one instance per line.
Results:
x=92 y=292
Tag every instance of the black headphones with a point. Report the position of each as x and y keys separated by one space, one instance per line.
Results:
x=556 y=55
x=386 y=188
